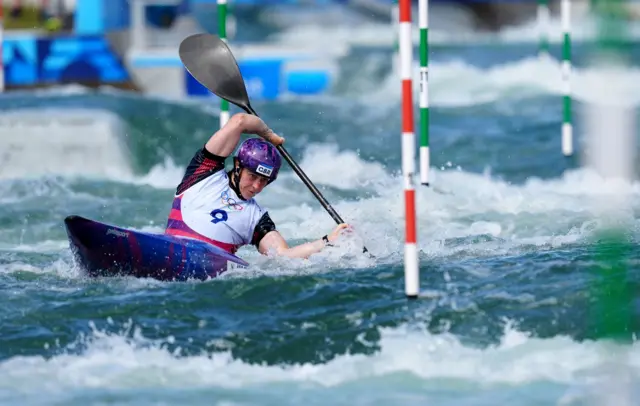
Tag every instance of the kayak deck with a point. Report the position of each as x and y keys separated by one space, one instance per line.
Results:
x=107 y=250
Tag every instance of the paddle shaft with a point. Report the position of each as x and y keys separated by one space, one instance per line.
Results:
x=304 y=178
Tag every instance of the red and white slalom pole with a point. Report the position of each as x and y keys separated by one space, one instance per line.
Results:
x=411 y=271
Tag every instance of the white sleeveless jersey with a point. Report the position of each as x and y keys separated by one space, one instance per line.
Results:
x=205 y=207
x=213 y=209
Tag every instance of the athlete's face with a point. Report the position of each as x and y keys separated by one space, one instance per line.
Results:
x=251 y=183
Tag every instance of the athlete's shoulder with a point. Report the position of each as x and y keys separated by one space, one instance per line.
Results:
x=202 y=165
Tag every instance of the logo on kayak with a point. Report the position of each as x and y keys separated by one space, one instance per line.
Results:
x=117 y=233
x=264 y=170
x=233 y=266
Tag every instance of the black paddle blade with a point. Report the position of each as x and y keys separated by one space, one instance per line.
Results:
x=210 y=62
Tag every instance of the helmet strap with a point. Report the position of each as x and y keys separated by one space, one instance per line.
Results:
x=234 y=180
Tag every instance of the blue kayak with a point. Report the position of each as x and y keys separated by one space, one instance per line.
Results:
x=106 y=250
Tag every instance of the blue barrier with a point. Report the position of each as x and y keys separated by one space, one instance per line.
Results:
x=31 y=61
x=100 y=16
x=20 y=61
x=270 y=78
x=308 y=82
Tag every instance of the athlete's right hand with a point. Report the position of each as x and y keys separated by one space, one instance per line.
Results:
x=272 y=137
x=255 y=125
x=338 y=231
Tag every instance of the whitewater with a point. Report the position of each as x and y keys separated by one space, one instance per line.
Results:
x=508 y=238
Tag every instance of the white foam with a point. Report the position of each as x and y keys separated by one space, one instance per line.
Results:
x=45 y=143
x=45 y=246
x=583 y=27
x=448 y=25
x=62 y=267
x=347 y=169
x=117 y=361
x=70 y=89
x=456 y=83
x=510 y=217
x=38 y=142
x=166 y=175
x=539 y=212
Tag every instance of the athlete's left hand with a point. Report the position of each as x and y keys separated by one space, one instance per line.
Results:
x=338 y=231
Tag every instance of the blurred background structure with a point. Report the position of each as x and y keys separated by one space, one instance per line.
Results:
x=133 y=43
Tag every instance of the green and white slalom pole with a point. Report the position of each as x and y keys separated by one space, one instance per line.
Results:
x=423 y=21
x=567 y=126
x=222 y=33
x=544 y=16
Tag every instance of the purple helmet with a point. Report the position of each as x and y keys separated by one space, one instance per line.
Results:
x=261 y=157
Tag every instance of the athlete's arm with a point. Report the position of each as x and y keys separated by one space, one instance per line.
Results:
x=226 y=139
x=273 y=241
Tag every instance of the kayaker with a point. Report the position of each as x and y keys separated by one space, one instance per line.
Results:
x=219 y=207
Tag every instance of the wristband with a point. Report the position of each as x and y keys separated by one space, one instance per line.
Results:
x=325 y=238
